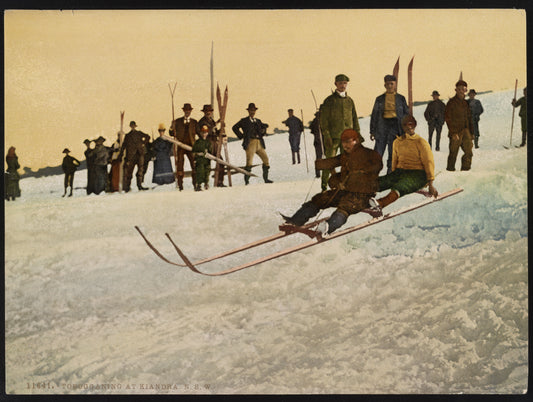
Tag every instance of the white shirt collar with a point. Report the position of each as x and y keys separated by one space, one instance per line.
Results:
x=342 y=94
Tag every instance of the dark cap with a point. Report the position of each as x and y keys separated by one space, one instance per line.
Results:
x=290 y=110
x=389 y=77
x=251 y=106
x=132 y=123
x=102 y=139
x=435 y=93
x=66 y=151
x=472 y=91
x=349 y=134
x=87 y=141
x=408 y=119
x=341 y=77
x=461 y=83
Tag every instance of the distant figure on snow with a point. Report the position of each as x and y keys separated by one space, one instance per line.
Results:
x=101 y=159
x=318 y=141
x=412 y=167
x=69 y=166
x=296 y=129
x=201 y=147
x=522 y=102
x=476 y=109
x=12 y=177
x=251 y=131
x=459 y=121
x=434 y=115
x=351 y=189
x=89 y=159
x=133 y=148
x=184 y=130
x=162 y=148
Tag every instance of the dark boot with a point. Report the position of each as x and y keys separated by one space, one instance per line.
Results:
x=388 y=199
x=476 y=142
x=265 y=174
x=65 y=192
x=298 y=155
x=306 y=211
x=246 y=177
x=70 y=194
x=336 y=220
x=293 y=158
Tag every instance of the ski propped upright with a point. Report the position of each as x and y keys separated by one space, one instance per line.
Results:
x=193 y=266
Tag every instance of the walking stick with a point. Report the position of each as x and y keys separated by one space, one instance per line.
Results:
x=512 y=120
x=121 y=141
x=305 y=144
x=172 y=90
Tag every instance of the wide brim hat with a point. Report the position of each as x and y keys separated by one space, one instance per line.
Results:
x=66 y=151
x=100 y=139
x=161 y=127
x=251 y=106
x=186 y=106
x=472 y=91
x=132 y=123
x=87 y=141
x=207 y=108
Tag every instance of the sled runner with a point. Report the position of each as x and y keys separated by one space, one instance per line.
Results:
x=286 y=230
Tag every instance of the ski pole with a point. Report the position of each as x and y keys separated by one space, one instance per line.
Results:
x=305 y=144
x=512 y=120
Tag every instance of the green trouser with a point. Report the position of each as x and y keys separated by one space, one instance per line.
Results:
x=403 y=181
x=330 y=152
x=202 y=167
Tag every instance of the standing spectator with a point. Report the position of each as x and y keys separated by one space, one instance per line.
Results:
x=434 y=115
x=114 y=174
x=459 y=121
x=213 y=137
x=148 y=155
x=386 y=119
x=101 y=159
x=476 y=109
x=201 y=147
x=69 y=166
x=337 y=113
x=12 y=177
x=163 y=173
x=522 y=102
x=184 y=130
x=133 y=147
x=318 y=141
x=296 y=129
x=251 y=130
x=89 y=159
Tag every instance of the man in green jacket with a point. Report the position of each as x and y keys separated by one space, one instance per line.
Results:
x=337 y=113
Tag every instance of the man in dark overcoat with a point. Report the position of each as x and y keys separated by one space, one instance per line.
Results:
x=214 y=139
x=133 y=146
x=434 y=115
x=184 y=130
x=69 y=166
x=459 y=121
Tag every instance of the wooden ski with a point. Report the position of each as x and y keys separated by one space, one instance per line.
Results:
x=120 y=141
x=410 y=85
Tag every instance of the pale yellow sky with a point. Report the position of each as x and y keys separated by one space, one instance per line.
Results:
x=68 y=74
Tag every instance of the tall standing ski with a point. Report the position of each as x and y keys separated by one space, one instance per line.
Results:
x=120 y=141
x=222 y=105
x=172 y=90
x=410 y=85
x=396 y=70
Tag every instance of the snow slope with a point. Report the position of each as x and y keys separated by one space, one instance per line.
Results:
x=433 y=301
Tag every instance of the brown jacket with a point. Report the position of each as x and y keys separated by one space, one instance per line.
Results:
x=458 y=116
x=359 y=170
x=133 y=143
x=179 y=130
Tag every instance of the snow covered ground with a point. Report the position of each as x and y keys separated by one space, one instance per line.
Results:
x=433 y=301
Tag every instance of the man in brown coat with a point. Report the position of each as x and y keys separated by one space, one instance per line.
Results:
x=459 y=121
x=184 y=130
x=213 y=137
x=133 y=145
x=351 y=189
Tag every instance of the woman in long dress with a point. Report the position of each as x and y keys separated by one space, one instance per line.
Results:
x=162 y=149
x=12 y=177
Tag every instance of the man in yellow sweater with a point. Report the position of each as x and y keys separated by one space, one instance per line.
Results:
x=412 y=167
